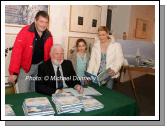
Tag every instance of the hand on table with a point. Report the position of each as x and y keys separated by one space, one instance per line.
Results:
x=79 y=88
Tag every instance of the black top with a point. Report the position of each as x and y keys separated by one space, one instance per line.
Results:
x=38 y=48
x=46 y=85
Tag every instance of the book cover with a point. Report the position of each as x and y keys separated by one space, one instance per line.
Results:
x=87 y=91
x=8 y=110
x=38 y=105
x=99 y=79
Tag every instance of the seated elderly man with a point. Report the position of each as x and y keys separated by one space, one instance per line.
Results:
x=56 y=73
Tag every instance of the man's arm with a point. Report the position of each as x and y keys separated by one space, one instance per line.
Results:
x=16 y=56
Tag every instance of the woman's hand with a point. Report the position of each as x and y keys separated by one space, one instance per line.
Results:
x=111 y=72
x=87 y=81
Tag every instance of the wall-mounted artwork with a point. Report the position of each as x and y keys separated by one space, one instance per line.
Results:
x=94 y=23
x=85 y=18
x=141 y=29
x=80 y=20
x=22 y=14
x=72 y=44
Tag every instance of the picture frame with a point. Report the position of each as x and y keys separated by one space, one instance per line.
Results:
x=72 y=44
x=85 y=18
x=80 y=20
x=141 y=28
x=22 y=14
x=94 y=23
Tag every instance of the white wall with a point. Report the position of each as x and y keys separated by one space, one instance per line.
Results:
x=145 y=12
x=120 y=20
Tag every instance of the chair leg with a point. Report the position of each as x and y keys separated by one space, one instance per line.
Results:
x=119 y=78
x=133 y=86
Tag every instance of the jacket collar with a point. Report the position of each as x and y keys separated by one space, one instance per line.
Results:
x=32 y=29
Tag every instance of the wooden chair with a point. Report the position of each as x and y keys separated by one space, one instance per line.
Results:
x=122 y=72
x=10 y=89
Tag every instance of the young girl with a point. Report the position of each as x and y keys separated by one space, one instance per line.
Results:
x=80 y=58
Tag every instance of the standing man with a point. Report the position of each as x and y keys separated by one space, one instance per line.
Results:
x=31 y=47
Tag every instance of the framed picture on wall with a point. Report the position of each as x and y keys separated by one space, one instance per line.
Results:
x=141 y=29
x=94 y=23
x=72 y=44
x=85 y=18
x=22 y=14
x=80 y=20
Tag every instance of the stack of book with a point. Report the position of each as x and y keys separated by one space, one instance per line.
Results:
x=90 y=103
x=8 y=110
x=66 y=103
x=39 y=106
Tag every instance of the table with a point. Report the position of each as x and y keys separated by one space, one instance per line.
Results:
x=138 y=69
x=115 y=103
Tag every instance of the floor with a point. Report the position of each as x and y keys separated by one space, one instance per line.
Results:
x=145 y=89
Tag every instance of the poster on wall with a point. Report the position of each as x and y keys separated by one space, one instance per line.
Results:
x=141 y=28
x=22 y=14
x=85 y=18
x=72 y=44
x=80 y=20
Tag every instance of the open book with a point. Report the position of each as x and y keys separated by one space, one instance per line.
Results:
x=89 y=91
x=90 y=103
x=100 y=79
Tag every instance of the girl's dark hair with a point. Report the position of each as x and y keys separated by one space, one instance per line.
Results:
x=81 y=40
x=43 y=14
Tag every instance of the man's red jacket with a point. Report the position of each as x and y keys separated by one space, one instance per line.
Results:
x=23 y=49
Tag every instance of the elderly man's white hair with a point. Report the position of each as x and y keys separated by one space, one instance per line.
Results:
x=56 y=46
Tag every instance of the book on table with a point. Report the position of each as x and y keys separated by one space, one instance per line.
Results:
x=90 y=103
x=8 y=110
x=37 y=106
x=88 y=91
x=65 y=102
